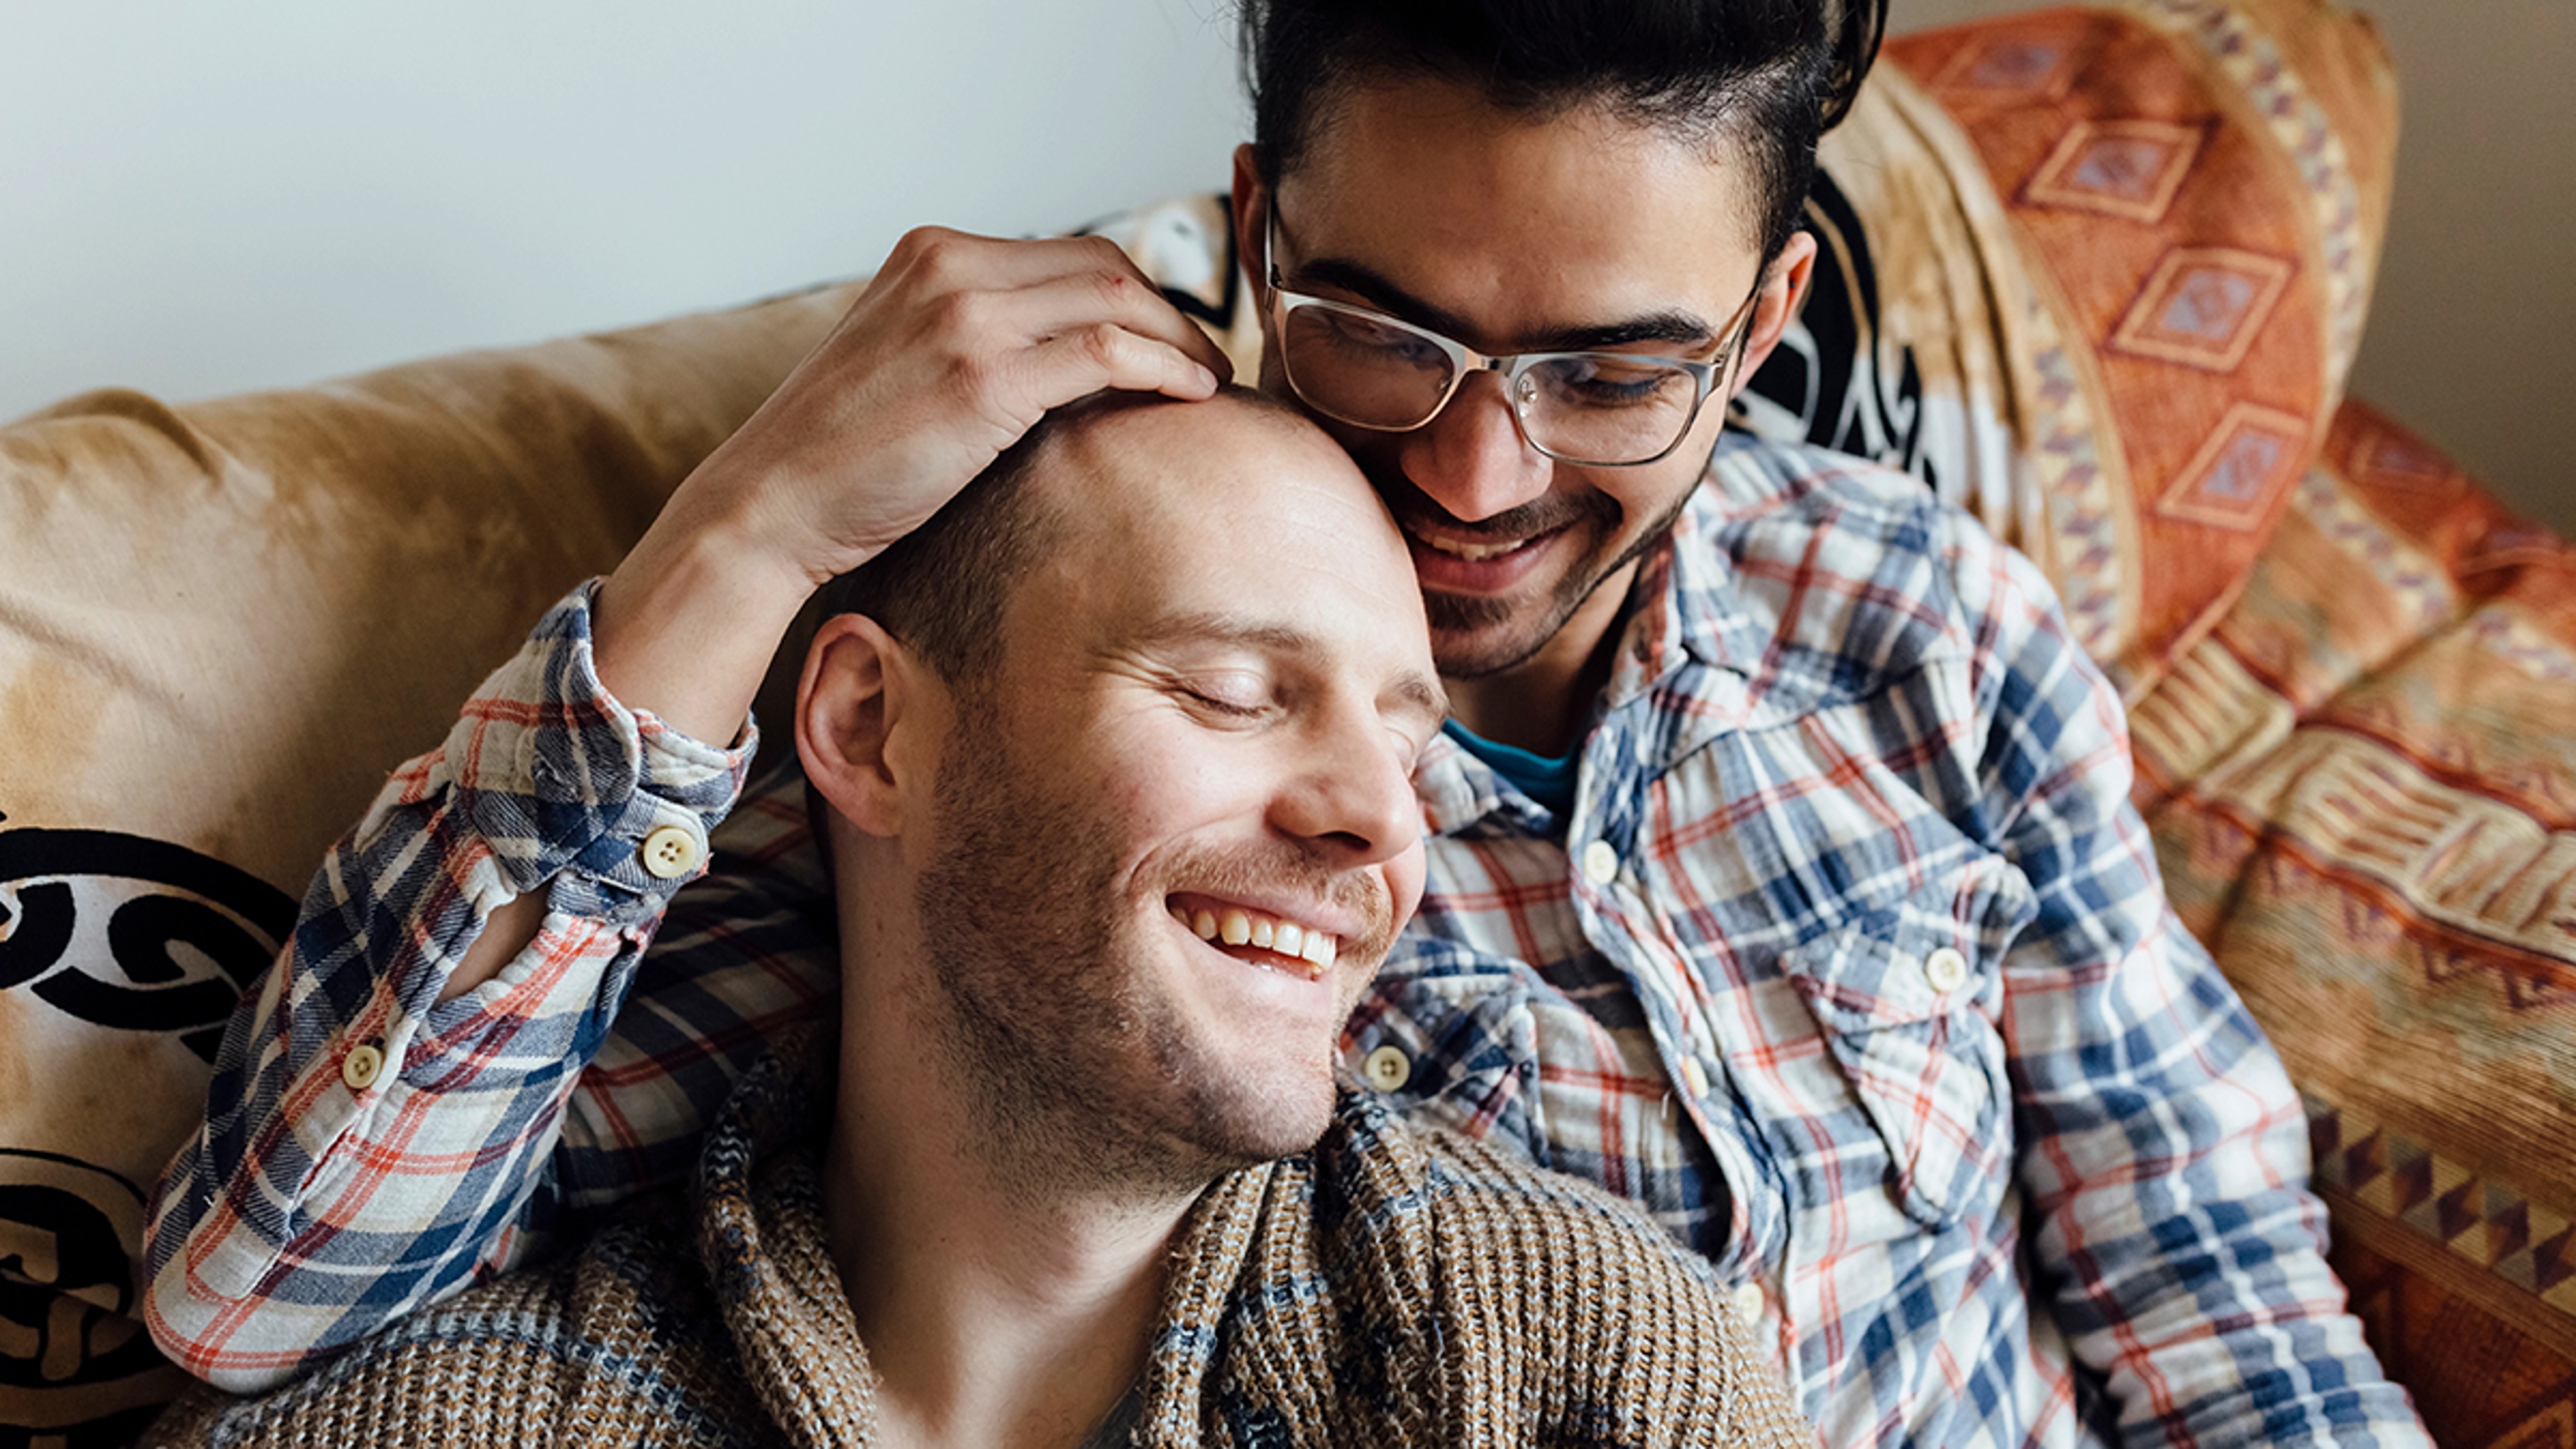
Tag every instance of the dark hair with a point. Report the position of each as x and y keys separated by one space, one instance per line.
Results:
x=1769 y=75
x=942 y=588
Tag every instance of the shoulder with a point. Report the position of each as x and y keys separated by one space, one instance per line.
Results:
x=1832 y=579
x=624 y=1331
x=1792 y=527
x=1398 y=1166
x=1551 y=1295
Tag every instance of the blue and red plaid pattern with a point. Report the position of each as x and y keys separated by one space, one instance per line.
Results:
x=1850 y=961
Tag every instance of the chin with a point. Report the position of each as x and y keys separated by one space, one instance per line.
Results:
x=1477 y=640
x=1245 y=1119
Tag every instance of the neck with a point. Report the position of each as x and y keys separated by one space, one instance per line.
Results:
x=997 y=1308
x=1543 y=703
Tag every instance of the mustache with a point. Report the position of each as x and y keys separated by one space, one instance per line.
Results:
x=1269 y=872
x=1544 y=514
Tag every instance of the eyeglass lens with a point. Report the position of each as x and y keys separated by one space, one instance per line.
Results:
x=1591 y=407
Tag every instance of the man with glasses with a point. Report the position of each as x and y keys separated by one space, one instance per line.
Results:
x=1782 y=875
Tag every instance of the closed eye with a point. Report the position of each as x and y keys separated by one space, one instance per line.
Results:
x=1234 y=695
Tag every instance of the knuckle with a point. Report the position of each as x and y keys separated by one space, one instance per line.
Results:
x=971 y=376
x=935 y=251
x=1102 y=343
x=910 y=246
x=959 y=314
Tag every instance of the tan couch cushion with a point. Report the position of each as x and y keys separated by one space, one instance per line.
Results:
x=219 y=626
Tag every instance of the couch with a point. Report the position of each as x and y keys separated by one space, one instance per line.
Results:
x=2096 y=274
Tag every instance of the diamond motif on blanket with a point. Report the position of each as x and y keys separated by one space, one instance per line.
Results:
x=2012 y=65
x=2037 y=60
x=2234 y=478
x=2125 y=169
x=2392 y=461
x=2203 y=307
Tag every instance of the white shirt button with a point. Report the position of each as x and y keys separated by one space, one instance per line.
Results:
x=1600 y=863
x=1746 y=1303
x=671 y=852
x=1387 y=1068
x=360 y=1068
x=1946 y=969
x=1695 y=1077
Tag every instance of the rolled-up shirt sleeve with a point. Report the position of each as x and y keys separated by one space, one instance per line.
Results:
x=368 y=1148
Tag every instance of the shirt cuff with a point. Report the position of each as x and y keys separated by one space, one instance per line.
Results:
x=607 y=807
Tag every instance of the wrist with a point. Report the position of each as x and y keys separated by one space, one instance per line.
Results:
x=687 y=624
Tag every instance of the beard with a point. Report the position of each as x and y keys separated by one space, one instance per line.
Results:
x=1477 y=636
x=1084 y=1069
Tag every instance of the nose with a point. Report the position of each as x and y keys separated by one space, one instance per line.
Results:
x=1472 y=459
x=1351 y=794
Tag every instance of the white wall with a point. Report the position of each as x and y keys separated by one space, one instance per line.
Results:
x=200 y=197
x=197 y=198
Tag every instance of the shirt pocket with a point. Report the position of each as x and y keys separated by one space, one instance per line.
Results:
x=1907 y=1000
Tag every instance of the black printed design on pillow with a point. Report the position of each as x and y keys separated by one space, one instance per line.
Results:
x=67 y=1301
x=1825 y=383
x=134 y=934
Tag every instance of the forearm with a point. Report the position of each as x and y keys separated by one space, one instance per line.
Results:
x=683 y=631
x=372 y=1135
x=2171 y=1212
x=2162 y=1151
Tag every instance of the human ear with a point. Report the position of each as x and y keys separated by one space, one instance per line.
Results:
x=1784 y=290
x=1251 y=199
x=861 y=726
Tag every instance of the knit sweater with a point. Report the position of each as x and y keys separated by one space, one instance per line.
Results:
x=1394 y=1286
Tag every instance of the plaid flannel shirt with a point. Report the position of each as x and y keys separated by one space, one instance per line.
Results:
x=1850 y=961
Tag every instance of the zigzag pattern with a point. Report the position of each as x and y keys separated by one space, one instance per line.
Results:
x=2412 y=580
x=2363 y=1165
x=2067 y=457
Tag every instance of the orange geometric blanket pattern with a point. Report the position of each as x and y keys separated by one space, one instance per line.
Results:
x=2362 y=784
x=2198 y=191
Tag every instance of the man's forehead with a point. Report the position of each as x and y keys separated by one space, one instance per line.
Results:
x=1577 y=217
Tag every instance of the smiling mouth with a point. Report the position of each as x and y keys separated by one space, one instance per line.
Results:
x=1258 y=938
x=1473 y=551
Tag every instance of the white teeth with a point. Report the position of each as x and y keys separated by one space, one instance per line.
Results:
x=1475 y=552
x=1243 y=928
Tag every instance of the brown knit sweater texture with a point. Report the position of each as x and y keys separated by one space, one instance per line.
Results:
x=1394 y=1286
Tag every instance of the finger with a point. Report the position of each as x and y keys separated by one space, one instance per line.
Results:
x=1082 y=361
x=1048 y=309
x=1174 y=328
x=942 y=260
x=1087 y=279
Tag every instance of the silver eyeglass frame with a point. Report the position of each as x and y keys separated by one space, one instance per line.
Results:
x=1465 y=361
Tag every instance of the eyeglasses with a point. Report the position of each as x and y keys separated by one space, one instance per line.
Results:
x=1595 y=409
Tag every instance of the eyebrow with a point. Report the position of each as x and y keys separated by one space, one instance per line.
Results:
x=1670 y=325
x=1412 y=687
